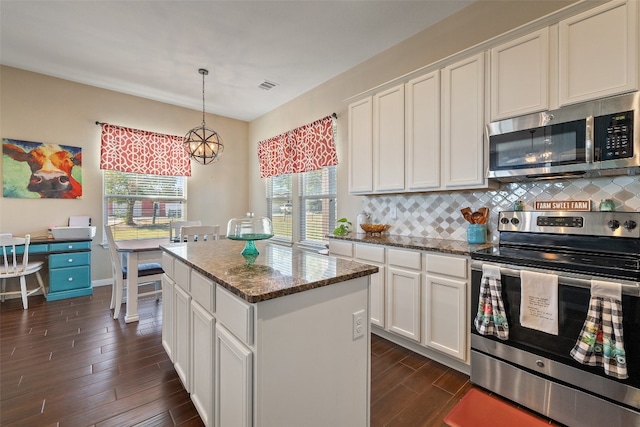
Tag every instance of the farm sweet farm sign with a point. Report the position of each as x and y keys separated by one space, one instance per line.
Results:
x=563 y=205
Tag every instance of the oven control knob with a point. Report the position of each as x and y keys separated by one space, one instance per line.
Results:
x=515 y=221
x=613 y=224
x=504 y=220
x=540 y=363
x=629 y=225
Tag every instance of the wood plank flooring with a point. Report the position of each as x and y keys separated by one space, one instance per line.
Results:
x=68 y=363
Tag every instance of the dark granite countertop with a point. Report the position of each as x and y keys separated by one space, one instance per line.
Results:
x=456 y=247
x=277 y=271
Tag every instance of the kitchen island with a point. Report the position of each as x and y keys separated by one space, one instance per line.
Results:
x=282 y=342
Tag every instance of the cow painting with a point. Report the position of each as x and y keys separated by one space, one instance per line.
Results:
x=37 y=170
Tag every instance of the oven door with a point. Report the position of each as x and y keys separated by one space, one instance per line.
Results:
x=574 y=294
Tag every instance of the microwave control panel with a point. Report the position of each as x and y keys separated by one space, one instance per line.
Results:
x=614 y=135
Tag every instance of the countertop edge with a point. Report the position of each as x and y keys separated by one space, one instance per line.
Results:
x=454 y=247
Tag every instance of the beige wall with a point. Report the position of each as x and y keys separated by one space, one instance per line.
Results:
x=475 y=24
x=34 y=107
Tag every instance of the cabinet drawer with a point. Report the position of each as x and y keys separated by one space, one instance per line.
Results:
x=64 y=279
x=33 y=249
x=203 y=291
x=69 y=246
x=340 y=248
x=370 y=253
x=72 y=259
x=447 y=265
x=181 y=274
x=407 y=259
x=235 y=314
x=167 y=264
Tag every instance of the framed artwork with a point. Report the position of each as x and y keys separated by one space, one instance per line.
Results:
x=36 y=170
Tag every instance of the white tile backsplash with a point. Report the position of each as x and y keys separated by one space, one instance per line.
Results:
x=437 y=215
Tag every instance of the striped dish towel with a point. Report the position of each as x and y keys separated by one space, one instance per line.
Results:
x=491 y=318
x=601 y=340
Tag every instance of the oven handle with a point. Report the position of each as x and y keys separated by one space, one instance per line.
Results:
x=568 y=279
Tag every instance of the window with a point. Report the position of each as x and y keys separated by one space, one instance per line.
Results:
x=318 y=204
x=315 y=205
x=141 y=206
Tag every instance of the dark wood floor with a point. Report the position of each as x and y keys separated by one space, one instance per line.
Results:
x=68 y=363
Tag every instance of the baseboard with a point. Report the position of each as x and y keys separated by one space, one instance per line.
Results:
x=102 y=282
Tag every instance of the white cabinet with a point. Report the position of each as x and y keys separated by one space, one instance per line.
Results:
x=168 y=290
x=202 y=361
x=388 y=140
x=374 y=255
x=182 y=335
x=233 y=384
x=403 y=293
x=463 y=124
x=520 y=76
x=599 y=52
x=361 y=146
x=422 y=133
x=444 y=305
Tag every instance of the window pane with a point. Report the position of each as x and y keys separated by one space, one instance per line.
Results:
x=318 y=199
x=280 y=208
x=141 y=206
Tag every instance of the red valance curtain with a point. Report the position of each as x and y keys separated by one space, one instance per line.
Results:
x=307 y=148
x=140 y=151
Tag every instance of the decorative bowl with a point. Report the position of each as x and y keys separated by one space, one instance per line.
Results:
x=375 y=228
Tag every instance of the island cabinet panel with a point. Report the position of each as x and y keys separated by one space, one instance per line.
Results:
x=202 y=361
x=182 y=331
x=168 y=290
x=235 y=314
x=203 y=291
x=182 y=275
x=167 y=264
x=234 y=381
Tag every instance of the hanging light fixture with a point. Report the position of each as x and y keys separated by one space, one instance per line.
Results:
x=203 y=144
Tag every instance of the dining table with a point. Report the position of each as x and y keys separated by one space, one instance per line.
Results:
x=135 y=251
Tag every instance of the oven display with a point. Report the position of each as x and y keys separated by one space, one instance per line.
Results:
x=560 y=221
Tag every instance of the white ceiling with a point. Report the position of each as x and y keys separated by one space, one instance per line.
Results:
x=154 y=49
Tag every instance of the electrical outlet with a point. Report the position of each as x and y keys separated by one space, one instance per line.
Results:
x=394 y=212
x=358 y=324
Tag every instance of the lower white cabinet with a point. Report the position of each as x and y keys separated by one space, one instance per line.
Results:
x=445 y=317
x=202 y=361
x=234 y=379
x=167 y=314
x=403 y=293
x=374 y=255
x=182 y=335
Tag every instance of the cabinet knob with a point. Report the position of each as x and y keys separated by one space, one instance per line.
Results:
x=70 y=246
x=70 y=279
x=70 y=259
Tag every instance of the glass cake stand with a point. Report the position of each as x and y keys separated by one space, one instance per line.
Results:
x=249 y=229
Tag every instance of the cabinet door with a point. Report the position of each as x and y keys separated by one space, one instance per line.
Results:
x=361 y=146
x=403 y=303
x=445 y=315
x=233 y=381
x=422 y=132
x=463 y=123
x=202 y=353
x=598 y=52
x=377 y=297
x=182 y=329
x=388 y=140
x=167 y=315
x=520 y=76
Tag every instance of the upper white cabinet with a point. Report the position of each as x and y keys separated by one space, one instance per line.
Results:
x=361 y=146
x=463 y=124
x=520 y=76
x=599 y=52
x=422 y=132
x=388 y=140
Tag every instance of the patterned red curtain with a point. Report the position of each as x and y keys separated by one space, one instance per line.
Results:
x=140 y=151
x=307 y=148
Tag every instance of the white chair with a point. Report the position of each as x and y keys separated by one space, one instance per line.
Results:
x=147 y=273
x=14 y=267
x=200 y=233
x=175 y=226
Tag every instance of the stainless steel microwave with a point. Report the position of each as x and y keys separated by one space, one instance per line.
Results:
x=596 y=138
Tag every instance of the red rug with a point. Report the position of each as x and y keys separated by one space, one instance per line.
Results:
x=479 y=409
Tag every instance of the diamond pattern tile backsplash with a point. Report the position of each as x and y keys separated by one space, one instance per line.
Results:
x=437 y=215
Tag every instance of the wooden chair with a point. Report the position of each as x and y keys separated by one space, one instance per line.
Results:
x=147 y=273
x=175 y=226
x=14 y=267
x=200 y=233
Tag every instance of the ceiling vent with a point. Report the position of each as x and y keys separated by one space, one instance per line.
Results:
x=267 y=85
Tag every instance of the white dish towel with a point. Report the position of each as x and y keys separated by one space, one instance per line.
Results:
x=539 y=301
x=601 y=340
x=491 y=318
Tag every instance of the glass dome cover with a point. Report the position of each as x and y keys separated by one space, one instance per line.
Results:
x=249 y=228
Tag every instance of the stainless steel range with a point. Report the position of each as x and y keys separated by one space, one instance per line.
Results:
x=535 y=368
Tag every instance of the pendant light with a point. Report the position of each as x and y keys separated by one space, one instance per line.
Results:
x=203 y=144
